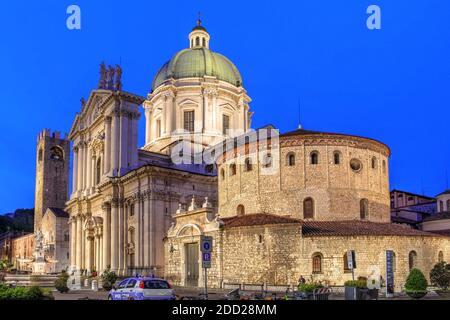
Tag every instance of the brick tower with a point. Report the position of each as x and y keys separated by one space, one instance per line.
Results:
x=52 y=173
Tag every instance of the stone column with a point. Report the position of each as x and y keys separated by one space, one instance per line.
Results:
x=75 y=172
x=214 y=108
x=204 y=110
x=115 y=144
x=121 y=222
x=115 y=236
x=88 y=169
x=100 y=253
x=83 y=245
x=73 y=240
x=123 y=143
x=106 y=252
x=89 y=252
x=80 y=167
x=146 y=232
x=79 y=242
x=84 y=166
x=134 y=144
x=148 y=125
x=137 y=233
x=107 y=152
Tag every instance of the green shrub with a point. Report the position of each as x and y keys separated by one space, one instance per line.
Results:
x=109 y=278
x=21 y=293
x=61 y=282
x=440 y=276
x=308 y=287
x=361 y=284
x=416 y=282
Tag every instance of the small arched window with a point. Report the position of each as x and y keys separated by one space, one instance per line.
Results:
x=197 y=41
x=412 y=259
x=233 y=169
x=317 y=263
x=132 y=209
x=448 y=205
x=374 y=163
x=290 y=159
x=66 y=236
x=40 y=155
x=98 y=172
x=222 y=173
x=364 y=209
x=384 y=166
x=204 y=42
x=337 y=157
x=308 y=208
x=441 y=206
x=240 y=211
x=314 y=157
x=248 y=164
x=440 y=256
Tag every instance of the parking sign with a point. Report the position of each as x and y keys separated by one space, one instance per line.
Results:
x=206 y=260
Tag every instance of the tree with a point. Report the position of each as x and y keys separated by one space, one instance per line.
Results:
x=440 y=275
x=109 y=278
x=61 y=282
x=416 y=284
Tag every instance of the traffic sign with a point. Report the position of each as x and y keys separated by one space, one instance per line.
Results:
x=206 y=260
x=206 y=244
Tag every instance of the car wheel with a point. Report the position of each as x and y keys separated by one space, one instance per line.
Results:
x=110 y=297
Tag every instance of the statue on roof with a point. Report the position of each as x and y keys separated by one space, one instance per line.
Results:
x=110 y=78
x=102 y=82
x=118 y=81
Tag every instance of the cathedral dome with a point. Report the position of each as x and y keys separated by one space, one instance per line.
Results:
x=198 y=61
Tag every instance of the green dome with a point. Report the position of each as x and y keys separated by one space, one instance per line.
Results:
x=198 y=62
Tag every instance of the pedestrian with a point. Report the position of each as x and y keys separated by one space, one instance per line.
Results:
x=301 y=280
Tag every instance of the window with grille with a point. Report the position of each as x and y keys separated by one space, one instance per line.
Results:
x=225 y=124
x=189 y=121
x=317 y=263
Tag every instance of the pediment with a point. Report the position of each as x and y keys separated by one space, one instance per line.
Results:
x=90 y=111
x=188 y=102
x=227 y=106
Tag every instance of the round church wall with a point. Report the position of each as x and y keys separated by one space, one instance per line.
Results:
x=310 y=175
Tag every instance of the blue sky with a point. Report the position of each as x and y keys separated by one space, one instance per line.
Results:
x=391 y=84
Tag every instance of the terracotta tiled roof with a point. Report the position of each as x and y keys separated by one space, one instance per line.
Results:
x=357 y=228
x=257 y=220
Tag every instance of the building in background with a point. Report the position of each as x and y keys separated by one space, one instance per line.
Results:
x=410 y=208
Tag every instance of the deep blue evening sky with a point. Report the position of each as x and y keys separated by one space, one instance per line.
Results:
x=392 y=84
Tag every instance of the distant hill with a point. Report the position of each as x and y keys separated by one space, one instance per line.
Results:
x=20 y=220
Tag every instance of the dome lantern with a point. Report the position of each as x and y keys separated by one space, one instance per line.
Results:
x=199 y=37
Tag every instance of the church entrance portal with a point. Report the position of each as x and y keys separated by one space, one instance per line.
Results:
x=192 y=268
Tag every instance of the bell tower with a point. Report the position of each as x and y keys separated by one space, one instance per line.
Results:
x=52 y=174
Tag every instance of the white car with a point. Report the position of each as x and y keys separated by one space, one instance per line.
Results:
x=142 y=289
